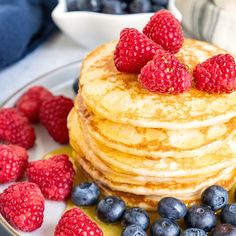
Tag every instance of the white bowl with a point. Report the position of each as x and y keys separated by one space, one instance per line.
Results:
x=90 y=29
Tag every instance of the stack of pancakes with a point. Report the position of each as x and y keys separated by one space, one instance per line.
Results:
x=144 y=146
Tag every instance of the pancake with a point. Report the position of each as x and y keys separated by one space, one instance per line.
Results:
x=155 y=142
x=119 y=97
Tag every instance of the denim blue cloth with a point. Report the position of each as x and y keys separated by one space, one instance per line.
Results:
x=24 y=24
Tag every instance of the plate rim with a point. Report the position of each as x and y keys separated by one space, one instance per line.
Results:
x=5 y=101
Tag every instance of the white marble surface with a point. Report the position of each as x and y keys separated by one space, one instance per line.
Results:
x=56 y=52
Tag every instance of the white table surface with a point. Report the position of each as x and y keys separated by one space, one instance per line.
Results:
x=59 y=50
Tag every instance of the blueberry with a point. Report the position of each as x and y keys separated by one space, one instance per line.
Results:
x=194 y=232
x=228 y=214
x=113 y=7
x=110 y=209
x=140 y=6
x=85 y=194
x=76 y=86
x=171 y=208
x=165 y=227
x=84 y=5
x=215 y=196
x=160 y=2
x=224 y=230
x=156 y=8
x=200 y=216
x=133 y=230
x=136 y=216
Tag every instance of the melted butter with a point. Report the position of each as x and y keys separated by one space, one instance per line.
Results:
x=108 y=229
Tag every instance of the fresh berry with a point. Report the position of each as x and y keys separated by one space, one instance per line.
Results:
x=113 y=7
x=194 y=232
x=164 y=29
x=165 y=74
x=160 y=2
x=76 y=86
x=136 y=216
x=133 y=51
x=84 y=5
x=228 y=214
x=216 y=75
x=133 y=230
x=22 y=205
x=171 y=208
x=200 y=216
x=215 y=196
x=85 y=194
x=54 y=176
x=75 y=222
x=156 y=8
x=110 y=209
x=224 y=230
x=165 y=227
x=53 y=115
x=140 y=6
x=13 y=162
x=30 y=102
x=15 y=128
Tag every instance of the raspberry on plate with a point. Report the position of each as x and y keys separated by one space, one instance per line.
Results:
x=13 y=162
x=216 y=75
x=29 y=103
x=165 y=74
x=53 y=115
x=133 y=51
x=54 y=176
x=164 y=29
x=22 y=205
x=15 y=128
x=75 y=222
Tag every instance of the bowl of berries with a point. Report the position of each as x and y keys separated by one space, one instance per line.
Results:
x=92 y=22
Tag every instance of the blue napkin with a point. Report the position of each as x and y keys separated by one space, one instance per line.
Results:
x=24 y=24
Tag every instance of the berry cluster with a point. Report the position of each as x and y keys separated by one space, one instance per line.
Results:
x=37 y=104
x=117 y=6
x=151 y=55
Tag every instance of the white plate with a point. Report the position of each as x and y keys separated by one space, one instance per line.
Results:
x=58 y=81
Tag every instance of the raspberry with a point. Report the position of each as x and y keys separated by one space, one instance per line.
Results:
x=29 y=103
x=133 y=51
x=15 y=128
x=165 y=74
x=75 y=222
x=216 y=75
x=22 y=205
x=13 y=162
x=164 y=29
x=53 y=115
x=53 y=176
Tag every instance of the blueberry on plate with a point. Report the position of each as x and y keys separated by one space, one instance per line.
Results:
x=200 y=216
x=194 y=232
x=165 y=227
x=171 y=208
x=224 y=230
x=110 y=209
x=85 y=194
x=84 y=5
x=76 y=86
x=160 y=2
x=113 y=7
x=228 y=214
x=133 y=230
x=215 y=196
x=140 y=6
x=136 y=216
